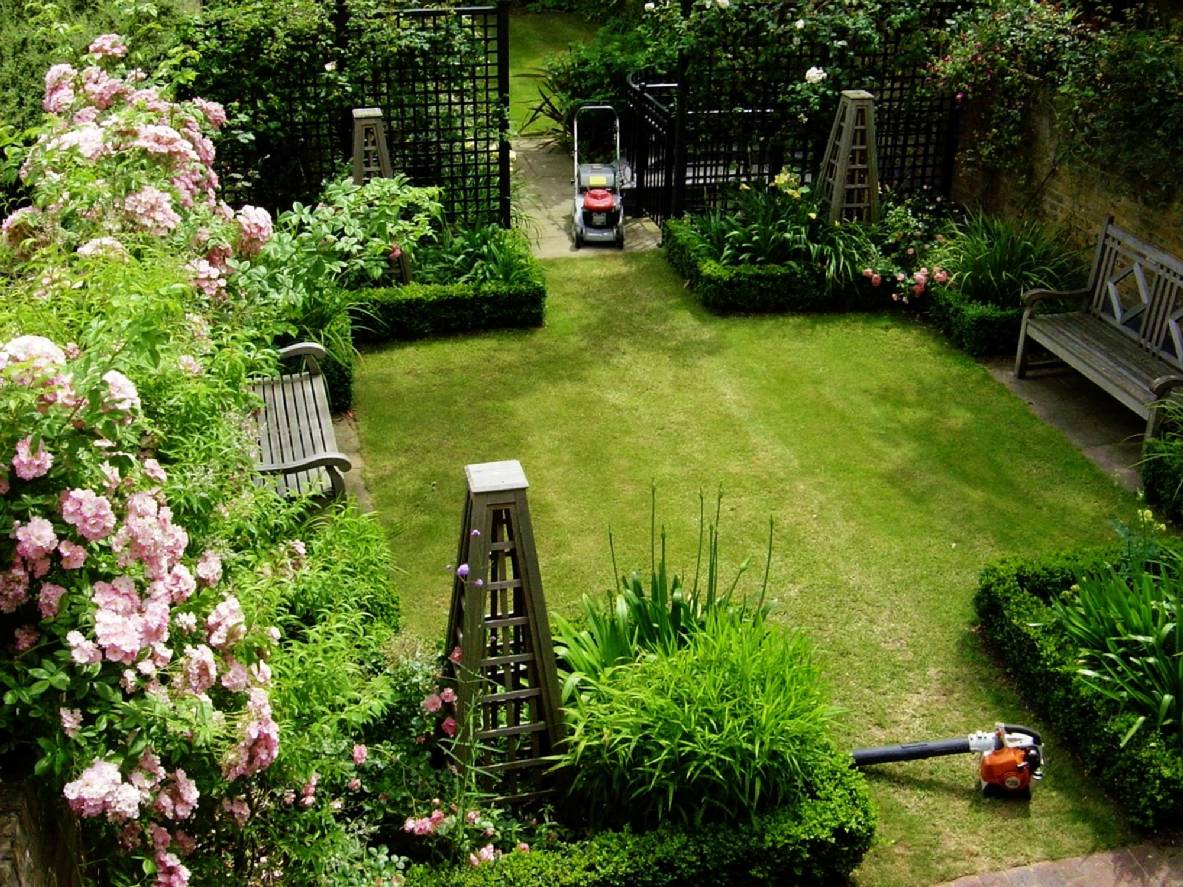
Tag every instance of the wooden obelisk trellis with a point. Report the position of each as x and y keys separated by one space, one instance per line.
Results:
x=503 y=659
x=848 y=186
x=371 y=156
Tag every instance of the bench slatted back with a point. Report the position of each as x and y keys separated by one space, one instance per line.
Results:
x=1152 y=284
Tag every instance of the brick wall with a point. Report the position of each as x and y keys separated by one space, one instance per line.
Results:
x=1078 y=198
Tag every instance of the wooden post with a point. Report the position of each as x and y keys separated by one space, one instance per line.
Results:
x=503 y=659
x=371 y=157
x=848 y=184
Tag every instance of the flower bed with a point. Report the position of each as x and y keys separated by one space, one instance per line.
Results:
x=1143 y=774
x=819 y=841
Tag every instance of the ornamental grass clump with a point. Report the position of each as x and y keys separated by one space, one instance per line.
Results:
x=717 y=730
x=1126 y=626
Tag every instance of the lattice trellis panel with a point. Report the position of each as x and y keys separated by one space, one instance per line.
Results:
x=371 y=157
x=848 y=185
x=508 y=689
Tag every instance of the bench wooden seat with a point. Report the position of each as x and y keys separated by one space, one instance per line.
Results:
x=297 y=447
x=1125 y=333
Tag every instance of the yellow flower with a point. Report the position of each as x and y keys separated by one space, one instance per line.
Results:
x=813 y=215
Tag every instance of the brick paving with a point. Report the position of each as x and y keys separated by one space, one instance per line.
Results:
x=1143 y=865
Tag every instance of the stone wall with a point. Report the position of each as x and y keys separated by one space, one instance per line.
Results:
x=38 y=841
x=1078 y=198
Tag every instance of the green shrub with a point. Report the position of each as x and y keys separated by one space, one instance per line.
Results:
x=992 y=259
x=816 y=842
x=730 y=724
x=418 y=310
x=1144 y=775
x=744 y=289
x=1162 y=475
x=486 y=256
x=977 y=329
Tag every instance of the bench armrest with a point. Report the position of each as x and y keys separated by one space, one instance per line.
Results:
x=1163 y=385
x=310 y=351
x=1032 y=297
x=330 y=459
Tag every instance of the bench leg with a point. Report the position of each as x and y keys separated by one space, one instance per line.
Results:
x=1021 y=351
x=1154 y=421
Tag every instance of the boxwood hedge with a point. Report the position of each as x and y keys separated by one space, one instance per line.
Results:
x=976 y=328
x=415 y=310
x=819 y=842
x=1145 y=776
x=743 y=289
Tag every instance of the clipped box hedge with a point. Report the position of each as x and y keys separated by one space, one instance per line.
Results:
x=1146 y=776
x=977 y=329
x=818 y=843
x=743 y=289
x=1162 y=476
x=416 y=310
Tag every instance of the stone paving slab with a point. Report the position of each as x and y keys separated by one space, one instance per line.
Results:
x=1105 y=431
x=1143 y=865
x=548 y=200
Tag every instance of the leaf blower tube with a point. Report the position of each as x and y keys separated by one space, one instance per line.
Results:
x=1012 y=756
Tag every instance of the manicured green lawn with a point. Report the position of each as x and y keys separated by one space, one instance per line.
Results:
x=892 y=466
x=532 y=37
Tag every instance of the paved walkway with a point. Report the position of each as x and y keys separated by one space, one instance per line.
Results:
x=1143 y=865
x=548 y=196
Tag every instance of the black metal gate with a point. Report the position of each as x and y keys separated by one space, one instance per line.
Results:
x=724 y=121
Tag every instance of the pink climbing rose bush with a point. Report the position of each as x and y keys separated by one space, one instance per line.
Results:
x=115 y=630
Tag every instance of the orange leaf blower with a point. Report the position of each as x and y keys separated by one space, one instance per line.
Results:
x=1012 y=757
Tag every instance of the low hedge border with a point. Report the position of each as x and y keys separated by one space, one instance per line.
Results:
x=417 y=310
x=977 y=329
x=743 y=289
x=820 y=842
x=1162 y=476
x=1145 y=776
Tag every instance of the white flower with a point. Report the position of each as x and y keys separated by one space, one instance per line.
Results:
x=815 y=75
x=799 y=24
x=722 y=4
x=649 y=7
x=330 y=66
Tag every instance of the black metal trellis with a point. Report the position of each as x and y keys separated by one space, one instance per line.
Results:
x=443 y=88
x=737 y=125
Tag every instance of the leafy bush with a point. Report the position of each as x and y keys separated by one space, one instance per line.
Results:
x=818 y=842
x=1141 y=772
x=1162 y=475
x=485 y=256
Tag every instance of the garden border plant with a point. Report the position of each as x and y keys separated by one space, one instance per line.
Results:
x=1139 y=770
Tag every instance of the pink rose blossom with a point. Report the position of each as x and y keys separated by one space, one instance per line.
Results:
x=170 y=872
x=108 y=46
x=71 y=719
x=226 y=624
x=26 y=638
x=101 y=88
x=59 y=91
x=255 y=225
x=121 y=392
x=83 y=651
x=209 y=568
x=308 y=792
x=154 y=472
x=186 y=621
x=36 y=539
x=432 y=703
x=90 y=514
x=235 y=677
x=152 y=209
x=238 y=809
x=30 y=465
x=213 y=112
x=261 y=673
x=200 y=669
x=360 y=754
x=107 y=247
x=456 y=655
x=73 y=556
x=48 y=599
x=178 y=799
x=101 y=790
x=260 y=742
x=448 y=695
x=189 y=364
x=14 y=589
x=449 y=725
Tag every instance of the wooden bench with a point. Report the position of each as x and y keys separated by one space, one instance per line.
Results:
x=1125 y=333
x=297 y=448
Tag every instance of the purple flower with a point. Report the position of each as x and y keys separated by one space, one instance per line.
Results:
x=462 y=571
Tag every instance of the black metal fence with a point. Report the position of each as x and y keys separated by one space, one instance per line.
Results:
x=442 y=83
x=739 y=122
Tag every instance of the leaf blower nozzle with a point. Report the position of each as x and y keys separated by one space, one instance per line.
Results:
x=1012 y=756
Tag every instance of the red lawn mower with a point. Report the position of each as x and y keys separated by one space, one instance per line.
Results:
x=599 y=208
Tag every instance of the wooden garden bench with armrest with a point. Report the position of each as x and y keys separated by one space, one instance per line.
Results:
x=297 y=447
x=1125 y=333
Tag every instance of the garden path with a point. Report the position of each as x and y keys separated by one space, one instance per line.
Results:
x=546 y=173
x=1143 y=865
x=1107 y=433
